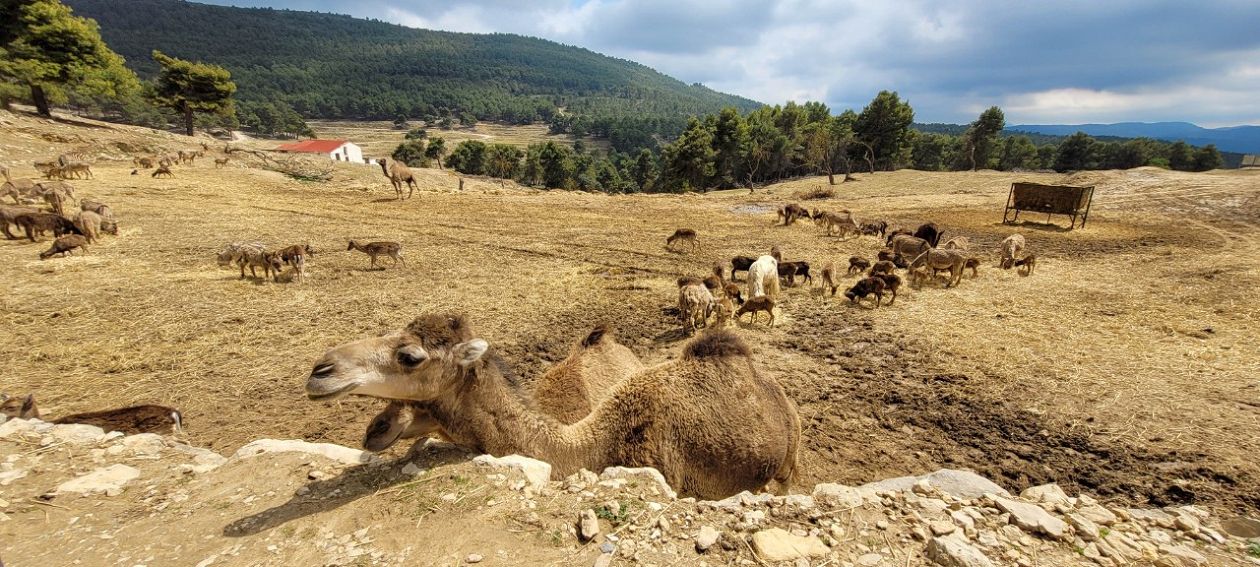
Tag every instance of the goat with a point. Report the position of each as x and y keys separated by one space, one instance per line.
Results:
x=695 y=305
x=763 y=278
x=220 y=162
x=829 y=278
x=894 y=234
x=892 y=282
x=957 y=243
x=943 y=259
x=866 y=287
x=930 y=232
x=755 y=305
x=38 y=223
x=740 y=264
x=683 y=235
x=858 y=264
x=163 y=171
x=1027 y=263
x=8 y=216
x=790 y=270
x=883 y=267
x=88 y=223
x=383 y=248
x=792 y=212
x=974 y=264
x=1011 y=247
x=877 y=228
x=63 y=245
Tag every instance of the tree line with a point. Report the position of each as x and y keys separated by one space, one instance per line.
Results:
x=733 y=149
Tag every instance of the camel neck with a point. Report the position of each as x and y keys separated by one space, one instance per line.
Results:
x=486 y=412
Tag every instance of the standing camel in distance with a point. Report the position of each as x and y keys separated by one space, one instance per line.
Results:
x=398 y=173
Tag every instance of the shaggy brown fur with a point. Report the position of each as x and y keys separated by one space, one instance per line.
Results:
x=885 y=256
x=9 y=215
x=910 y=247
x=39 y=223
x=740 y=264
x=675 y=417
x=695 y=305
x=894 y=234
x=384 y=248
x=1026 y=264
x=131 y=420
x=790 y=270
x=858 y=264
x=1011 y=247
x=883 y=267
x=892 y=282
x=683 y=235
x=144 y=162
x=398 y=174
x=755 y=305
x=866 y=287
x=930 y=232
x=877 y=228
x=63 y=245
x=732 y=291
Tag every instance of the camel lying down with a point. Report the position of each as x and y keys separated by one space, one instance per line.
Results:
x=679 y=417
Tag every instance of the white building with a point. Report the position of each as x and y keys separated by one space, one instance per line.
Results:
x=336 y=150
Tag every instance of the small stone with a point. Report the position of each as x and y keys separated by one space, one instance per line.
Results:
x=837 y=495
x=870 y=559
x=778 y=545
x=882 y=524
x=954 y=552
x=473 y=558
x=588 y=525
x=1048 y=493
x=607 y=547
x=923 y=487
x=603 y=560
x=108 y=480
x=1187 y=523
x=1032 y=518
x=1097 y=514
x=1086 y=529
x=941 y=527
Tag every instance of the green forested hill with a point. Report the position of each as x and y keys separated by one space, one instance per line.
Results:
x=332 y=66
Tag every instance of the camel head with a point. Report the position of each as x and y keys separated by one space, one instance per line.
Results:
x=420 y=362
x=399 y=420
x=23 y=408
x=384 y=165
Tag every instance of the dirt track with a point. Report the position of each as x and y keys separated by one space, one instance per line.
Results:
x=1125 y=364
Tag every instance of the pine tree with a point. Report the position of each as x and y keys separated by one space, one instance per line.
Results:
x=189 y=87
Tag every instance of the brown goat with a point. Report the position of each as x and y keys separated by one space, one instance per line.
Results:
x=1027 y=263
x=858 y=264
x=163 y=171
x=755 y=305
x=88 y=223
x=892 y=282
x=9 y=215
x=39 y=223
x=683 y=235
x=131 y=420
x=883 y=267
x=64 y=244
x=866 y=287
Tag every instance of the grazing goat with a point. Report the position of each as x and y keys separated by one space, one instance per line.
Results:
x=220 y=162
x=63 y=245
x=940 y=259
x=755 y=305
x=790 y=270
x=957 y=243
x=763 y=278
x=695 y=305
x=858 y=264
x=38 y=223
x=790 y=213
x=909 y=246
x=829 y=279
x=20 y=408
x=885 y=256
x=877 y=228
x=892 y=282
x=384 y=248
x=866 y=287
x=683 y=235
x=163 y=171
x=930 y=232
x=295 y=256
x=883 y=267
x=894 y=234
x=1026 y=264
x=1011 y=247
x=974 y=264
x=144 y=162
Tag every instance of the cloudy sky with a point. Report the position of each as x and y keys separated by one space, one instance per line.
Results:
x=1058 y=61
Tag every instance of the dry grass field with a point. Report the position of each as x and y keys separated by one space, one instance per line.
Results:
x=380 y=138
x=1126 y=364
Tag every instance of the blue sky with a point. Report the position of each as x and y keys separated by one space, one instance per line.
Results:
x=1042 y=62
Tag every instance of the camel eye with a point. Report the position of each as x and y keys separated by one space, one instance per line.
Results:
x=411 y=357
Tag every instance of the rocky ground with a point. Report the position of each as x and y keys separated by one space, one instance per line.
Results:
x=73 y=495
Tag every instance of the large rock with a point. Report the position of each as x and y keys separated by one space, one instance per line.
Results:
x=645 y=474
x=837 y=495
x=1048 y=493
x=1098 y=515
x=536 y=472
x=588 y=525
x=344 y=455
x=1032 y=518
x=779 y=545
x=955 y=552
x=108 y=480
x=1242 y=527
x=959 y=484
x=77 y=434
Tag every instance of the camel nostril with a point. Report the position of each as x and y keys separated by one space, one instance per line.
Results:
x=323 y=370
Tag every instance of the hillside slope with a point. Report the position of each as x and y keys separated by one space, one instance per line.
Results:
x=1242 y=139
x=332 y=66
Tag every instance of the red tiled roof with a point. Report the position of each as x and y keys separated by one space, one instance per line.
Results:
x=313 y=146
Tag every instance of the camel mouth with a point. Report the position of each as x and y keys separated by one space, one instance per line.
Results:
x=338 y=393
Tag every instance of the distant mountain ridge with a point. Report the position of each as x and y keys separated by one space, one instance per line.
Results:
x=335 y=66
x=1240 y=139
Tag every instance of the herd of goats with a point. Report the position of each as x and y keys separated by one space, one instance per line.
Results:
x=767 y=444
x=919 y=252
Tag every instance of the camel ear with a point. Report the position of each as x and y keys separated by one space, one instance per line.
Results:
x=469 y=352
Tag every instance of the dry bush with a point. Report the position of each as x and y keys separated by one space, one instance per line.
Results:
x=301 y=168
x=816 y=193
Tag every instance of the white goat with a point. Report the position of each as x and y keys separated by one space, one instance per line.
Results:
x=763 y=277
